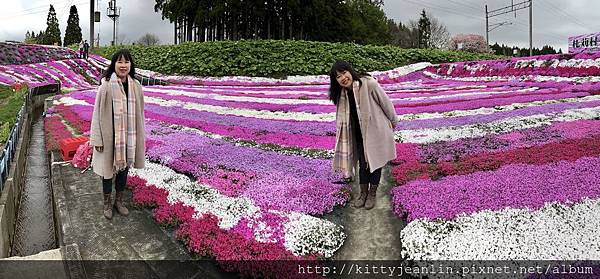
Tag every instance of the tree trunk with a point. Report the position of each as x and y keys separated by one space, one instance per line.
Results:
x=190 y=27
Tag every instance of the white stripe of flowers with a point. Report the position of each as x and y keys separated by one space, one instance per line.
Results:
x=261 y=114
x=318 y=79
x=496 y=127
x=70 y=101
x=554 y=232
x=304 y=234
x=492 y=110
x=233 y=89
x=404 y=134
x=182 y=92
x=535 y=78
x=450 y=96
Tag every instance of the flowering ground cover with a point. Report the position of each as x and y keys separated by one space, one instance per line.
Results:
x=496 y=159
x=501 y=180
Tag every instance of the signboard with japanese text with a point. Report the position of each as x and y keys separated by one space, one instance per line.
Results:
x=584 y=43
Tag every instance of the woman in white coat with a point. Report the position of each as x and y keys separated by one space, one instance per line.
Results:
x=365 y=122
x=117 y=129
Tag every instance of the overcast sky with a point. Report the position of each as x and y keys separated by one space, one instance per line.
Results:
x=553 y=20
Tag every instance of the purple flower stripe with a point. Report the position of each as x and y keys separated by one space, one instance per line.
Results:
x=247 y=105
x=449 y=150
x=486 y=103
x=282 y=182
x=513 y=186
x=486 y=118
x=287 y=132
x=259 y=136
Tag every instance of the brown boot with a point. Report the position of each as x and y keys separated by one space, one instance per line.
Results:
x=371 y=197
x=119 y=204
x=108 y=213
x=360 y=201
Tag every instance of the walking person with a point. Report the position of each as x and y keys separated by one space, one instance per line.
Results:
x=86 y=49
x=365 y=122
x=81 y=49
x=117 y=129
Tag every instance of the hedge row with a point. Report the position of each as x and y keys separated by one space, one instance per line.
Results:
x=10 y=104
x=271 y=58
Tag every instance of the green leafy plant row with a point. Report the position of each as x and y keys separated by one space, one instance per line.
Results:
x=272 y=58
x=10 y=104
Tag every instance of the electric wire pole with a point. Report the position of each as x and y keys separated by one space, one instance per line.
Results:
x=113 y=12
x=92 y=22
x=509 y=9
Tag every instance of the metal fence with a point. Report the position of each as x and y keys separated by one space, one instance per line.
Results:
x=7 y=153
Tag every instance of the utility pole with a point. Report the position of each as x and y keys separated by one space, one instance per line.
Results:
x=113 y=12
x=92 y=22
x=509 y=9
x=487 y=26
x=530 y=27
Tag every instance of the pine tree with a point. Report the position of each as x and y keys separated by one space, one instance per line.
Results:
x=73 y=31
x=52 y=34
x=424 y=31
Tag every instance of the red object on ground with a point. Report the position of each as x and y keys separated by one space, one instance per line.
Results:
x=69 y=146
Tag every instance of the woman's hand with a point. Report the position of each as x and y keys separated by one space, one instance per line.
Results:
x=99 y=148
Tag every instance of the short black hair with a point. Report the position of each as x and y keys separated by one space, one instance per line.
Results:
x=113 y=61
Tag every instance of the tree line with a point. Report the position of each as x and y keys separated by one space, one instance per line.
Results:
x=522 y=52
x=358 y=21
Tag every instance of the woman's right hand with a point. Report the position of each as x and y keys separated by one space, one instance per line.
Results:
x=99 y=148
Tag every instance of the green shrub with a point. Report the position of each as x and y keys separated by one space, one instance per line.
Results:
x=10 y=104
x=271 y=58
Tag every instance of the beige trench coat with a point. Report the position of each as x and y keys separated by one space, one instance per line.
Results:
x=102 y=129
x=377 y=122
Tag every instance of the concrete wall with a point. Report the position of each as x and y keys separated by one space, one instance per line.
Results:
x=11 y=194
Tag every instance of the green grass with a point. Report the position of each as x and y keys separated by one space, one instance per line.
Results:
x=10 y=104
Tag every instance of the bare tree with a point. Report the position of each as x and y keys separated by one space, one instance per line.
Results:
x=148 y=40
x=123 y=40
x=440 y=37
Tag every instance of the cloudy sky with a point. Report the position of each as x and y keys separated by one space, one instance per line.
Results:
x=553 y=20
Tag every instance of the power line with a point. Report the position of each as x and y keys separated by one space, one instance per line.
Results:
x=43 y=10
x=39 y=7
x=565 y=15
x=466 y=6
x=441 y=8
x=509 y=9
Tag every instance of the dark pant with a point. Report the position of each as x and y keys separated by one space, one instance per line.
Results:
x=366 y=176
x=120 y=182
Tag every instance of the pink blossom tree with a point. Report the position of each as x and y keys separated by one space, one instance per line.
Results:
x=470 y=43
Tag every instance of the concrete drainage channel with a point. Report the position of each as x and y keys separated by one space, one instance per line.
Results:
x=27 y=218
x=34 y=229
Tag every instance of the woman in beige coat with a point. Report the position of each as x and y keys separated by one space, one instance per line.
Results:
x=117 y=131
x=365 y=122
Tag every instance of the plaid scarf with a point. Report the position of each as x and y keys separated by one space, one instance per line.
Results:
x=125 y=128
x=344 y=157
